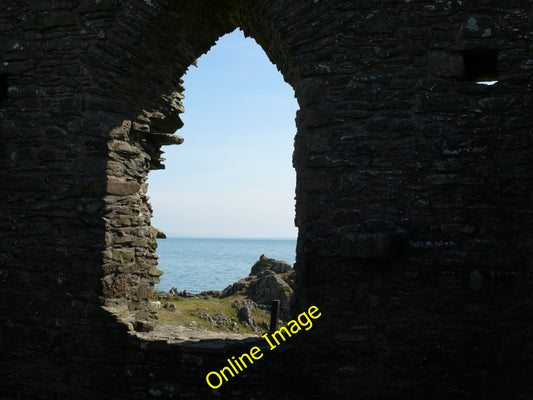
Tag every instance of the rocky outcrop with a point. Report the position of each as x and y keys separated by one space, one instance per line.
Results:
x=268 y=287
x=269 y=264
x=269 y=280
x=245 y=313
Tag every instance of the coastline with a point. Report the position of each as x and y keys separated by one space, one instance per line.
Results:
x=200 y=264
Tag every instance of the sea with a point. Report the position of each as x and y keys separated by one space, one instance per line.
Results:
x=196 y=265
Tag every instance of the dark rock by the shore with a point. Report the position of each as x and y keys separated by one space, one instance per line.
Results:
x=269 y=280
x=269 y=264
x=210 y=293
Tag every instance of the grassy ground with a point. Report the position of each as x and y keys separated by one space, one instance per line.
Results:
x=213 y=314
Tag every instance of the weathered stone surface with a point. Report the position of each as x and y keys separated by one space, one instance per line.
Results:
x=167 y=123
x=382 y=246
x=245 y=313
x=143 y=325
x=446 y=64
x=268 y=287
x=389 y=129
x=124 y=147
x=267 y=281
x=312 y=91
x=478 y=26
x=122 y=188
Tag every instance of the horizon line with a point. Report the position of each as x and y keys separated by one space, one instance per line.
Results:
x=228 y=237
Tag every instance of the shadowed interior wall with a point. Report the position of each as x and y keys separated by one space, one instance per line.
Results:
x=413 y=196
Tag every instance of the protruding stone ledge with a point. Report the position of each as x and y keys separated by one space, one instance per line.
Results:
x=157 y=233
x=165 y=139
x=166 y=123
x=154 y=271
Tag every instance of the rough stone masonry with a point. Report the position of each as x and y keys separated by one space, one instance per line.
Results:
x=414 y=194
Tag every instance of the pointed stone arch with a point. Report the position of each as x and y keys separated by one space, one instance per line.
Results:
x=153 y=89
x=413 y=194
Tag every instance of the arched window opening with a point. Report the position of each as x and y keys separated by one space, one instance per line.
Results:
x=226 y=196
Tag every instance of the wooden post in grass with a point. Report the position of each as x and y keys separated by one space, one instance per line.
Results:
x=274 y=316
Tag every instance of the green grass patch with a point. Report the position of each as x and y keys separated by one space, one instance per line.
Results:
x=213 y=314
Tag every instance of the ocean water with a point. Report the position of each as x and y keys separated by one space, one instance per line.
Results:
x=196 y=265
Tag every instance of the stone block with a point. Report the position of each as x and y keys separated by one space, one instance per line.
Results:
x=124 y=147
x=478 y=27
x=154 y=271
x=122 y=255
x=119 y=188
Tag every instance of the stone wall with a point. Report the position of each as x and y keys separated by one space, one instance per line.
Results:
x=414 y=195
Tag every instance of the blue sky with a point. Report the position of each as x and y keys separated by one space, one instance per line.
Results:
x=233 y=175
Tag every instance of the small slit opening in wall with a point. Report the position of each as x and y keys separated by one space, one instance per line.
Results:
x=3 y=87
x=481 y=66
